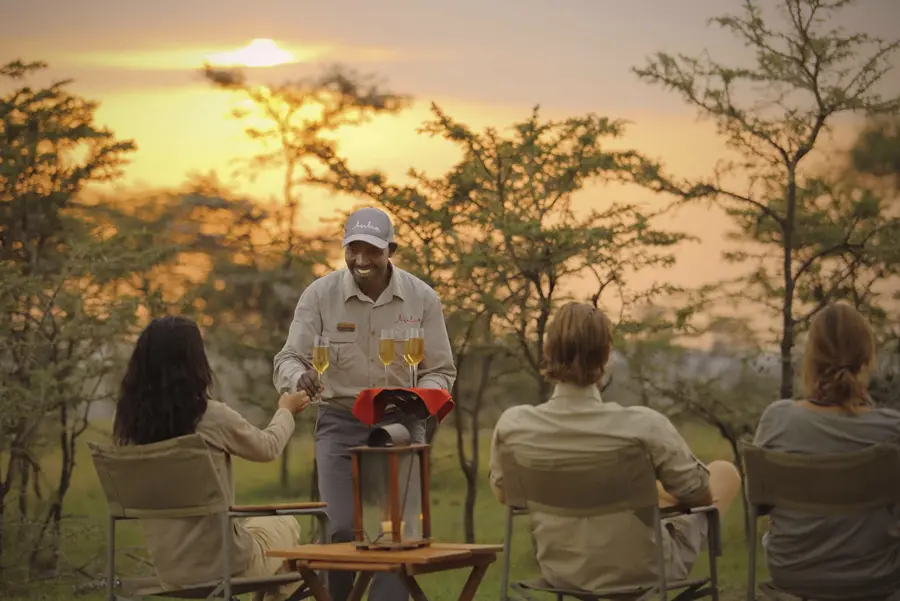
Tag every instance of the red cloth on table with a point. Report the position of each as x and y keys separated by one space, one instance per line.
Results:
x=370 y=404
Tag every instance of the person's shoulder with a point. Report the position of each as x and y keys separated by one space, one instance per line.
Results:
x=333 y=278
x=215 y=409
x=514 y=414
x=645 y=415
x=324 y=284
x=216 y=413
x=413 y=282
x=779 y=407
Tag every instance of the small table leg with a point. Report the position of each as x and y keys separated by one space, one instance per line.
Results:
x=468 y=591
x=473 y=582
x=360 y=585
x=315 y=584
x=415 y=591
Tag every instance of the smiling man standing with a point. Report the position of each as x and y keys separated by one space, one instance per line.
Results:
x=351 y=307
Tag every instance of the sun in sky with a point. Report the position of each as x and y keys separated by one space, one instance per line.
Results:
x=261 y=52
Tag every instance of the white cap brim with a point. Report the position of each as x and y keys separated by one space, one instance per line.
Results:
x=367 y=238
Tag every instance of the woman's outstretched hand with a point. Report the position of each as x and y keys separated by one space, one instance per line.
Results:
x=294 y=402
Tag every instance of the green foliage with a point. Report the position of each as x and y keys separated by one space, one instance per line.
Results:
x=877 y=150
x=500 y=236
x=66 y=303
x=50 y=149
x=814 y=239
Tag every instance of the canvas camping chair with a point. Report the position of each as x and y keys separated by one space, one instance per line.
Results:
x=832 y=484
x=511 y=513
x=612 y=482
x=141 y=482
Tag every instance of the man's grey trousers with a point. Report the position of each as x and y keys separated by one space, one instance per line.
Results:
x=337 y=431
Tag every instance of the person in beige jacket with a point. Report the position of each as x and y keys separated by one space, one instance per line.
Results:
x=164 y=395
x=611 y=550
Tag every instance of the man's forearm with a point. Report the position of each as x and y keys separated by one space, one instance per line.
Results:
x=437 y=380
x=288 y=369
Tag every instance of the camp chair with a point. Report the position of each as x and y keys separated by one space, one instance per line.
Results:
x=137 y=481
x=511 y=512
x=617 y=481
x=832 y=484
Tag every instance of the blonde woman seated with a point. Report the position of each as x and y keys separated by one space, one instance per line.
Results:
x=835 y=557
x=165 y=394
x=597 y=552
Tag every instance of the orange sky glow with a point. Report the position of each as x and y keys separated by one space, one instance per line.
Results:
x=484 y=64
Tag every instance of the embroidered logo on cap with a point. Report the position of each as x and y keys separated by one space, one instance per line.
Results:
x=366 y=226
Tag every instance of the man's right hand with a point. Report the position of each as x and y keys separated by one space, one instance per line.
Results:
x=310 y=383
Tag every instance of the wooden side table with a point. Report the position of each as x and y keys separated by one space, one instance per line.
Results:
x=408 y=564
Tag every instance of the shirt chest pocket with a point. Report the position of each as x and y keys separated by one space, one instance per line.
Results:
x=344 y=353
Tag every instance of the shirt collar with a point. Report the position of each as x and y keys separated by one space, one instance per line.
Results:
x=572 y=393
x=395 y=286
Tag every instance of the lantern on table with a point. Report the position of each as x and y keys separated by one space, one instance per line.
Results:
x=391 y=482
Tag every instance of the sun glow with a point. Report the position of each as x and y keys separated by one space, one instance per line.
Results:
x=261 y=52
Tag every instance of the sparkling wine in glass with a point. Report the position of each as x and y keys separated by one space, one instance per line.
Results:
x=320 y=355
x=386 y=351
x=414 y=351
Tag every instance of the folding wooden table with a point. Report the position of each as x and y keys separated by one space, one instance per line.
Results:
x=408 y=564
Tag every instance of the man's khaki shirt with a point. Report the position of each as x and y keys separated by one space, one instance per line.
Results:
x=591 y=553
x=334 y=306
x=189 y=550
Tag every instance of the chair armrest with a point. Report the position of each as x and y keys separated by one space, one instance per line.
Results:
x=713 y=532
x=703 y=509
x=671 y=510
x=311 y=508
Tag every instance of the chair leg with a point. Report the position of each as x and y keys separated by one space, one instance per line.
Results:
x=713 y=539
x=111 y=561
x=226 y=560
x=324 y=525
x=751 y=556
x=507 y=546
x=662 y=583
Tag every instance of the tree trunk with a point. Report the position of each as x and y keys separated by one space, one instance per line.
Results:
x=787 y=314
x=474 y=463
x=736 y=454
x=465 y=465
x=472 y=482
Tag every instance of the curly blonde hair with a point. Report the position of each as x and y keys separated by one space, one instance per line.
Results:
x=840 y=351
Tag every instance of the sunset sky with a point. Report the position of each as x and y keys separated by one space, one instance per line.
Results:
x=484 y=62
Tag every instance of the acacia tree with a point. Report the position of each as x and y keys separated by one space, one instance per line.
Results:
x=265 y=272
x=64 y=303
x=500 y=238
x=816 y=240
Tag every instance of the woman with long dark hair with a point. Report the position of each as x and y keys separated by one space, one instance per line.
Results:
x=833 y=557
x=166 y=394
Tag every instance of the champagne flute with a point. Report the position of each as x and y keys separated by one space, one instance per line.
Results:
x=414 y=351
x=386 y=351
x=320 y=356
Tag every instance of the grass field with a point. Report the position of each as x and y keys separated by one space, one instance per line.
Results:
x=86 y=508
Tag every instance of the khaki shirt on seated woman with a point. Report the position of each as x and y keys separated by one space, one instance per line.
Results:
x=164 y=395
